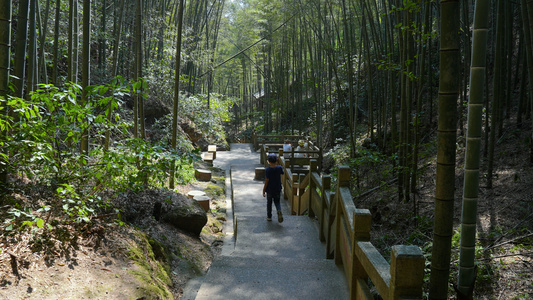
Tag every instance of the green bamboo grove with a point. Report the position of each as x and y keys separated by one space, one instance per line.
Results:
x=398 y=85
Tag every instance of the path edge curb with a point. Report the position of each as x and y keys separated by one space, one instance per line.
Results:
x=192 y=287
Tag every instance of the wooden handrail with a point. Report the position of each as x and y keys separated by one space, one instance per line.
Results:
x=346 y=231
x=261 y=139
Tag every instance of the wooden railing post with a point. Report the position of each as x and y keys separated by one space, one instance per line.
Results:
x=407 y=272
x=338 y=212
x=320 y=159
x=312 y=187
x=342 y=181
x=285 y=178
x=362 y=223
x=331 y=221
x=294 y=193
x=327 y=214
x=254 y=140
x=344 y=177
x=262 y=158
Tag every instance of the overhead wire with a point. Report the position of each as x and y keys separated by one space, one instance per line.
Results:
x=247 y=48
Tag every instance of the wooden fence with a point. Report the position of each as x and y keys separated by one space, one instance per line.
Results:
x=268 y=144
x=259 y=140
x=345 y=230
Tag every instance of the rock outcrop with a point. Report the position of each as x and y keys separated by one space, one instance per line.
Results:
x=185 y=214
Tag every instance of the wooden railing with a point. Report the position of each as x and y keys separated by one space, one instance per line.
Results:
x=345 y=230
x=297 y=157
x=259 y=140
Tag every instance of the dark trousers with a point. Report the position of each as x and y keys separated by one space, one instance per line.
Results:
x=273 y=197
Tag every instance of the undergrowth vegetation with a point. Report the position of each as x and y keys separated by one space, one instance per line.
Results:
x=54 y=185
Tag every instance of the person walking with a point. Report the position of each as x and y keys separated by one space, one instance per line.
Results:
x=272 y=187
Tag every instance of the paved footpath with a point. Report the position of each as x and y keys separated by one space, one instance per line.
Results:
x=268 y=260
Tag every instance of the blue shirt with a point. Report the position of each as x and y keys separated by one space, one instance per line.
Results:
x=273 y=174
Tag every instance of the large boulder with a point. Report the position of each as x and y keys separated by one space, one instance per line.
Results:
x=185 y=214
x=141 y=208
x=194 y=134
x=155 y=109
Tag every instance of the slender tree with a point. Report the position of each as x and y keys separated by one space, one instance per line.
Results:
x=140 y=62
x=73 y=41
x=5 y=50
x=446 y=136
x=114 y=68
x=498 y=87
x=43 y=30
x=70 y=39
x=467 y=270
x=56 y=44
x=176 y=91
x=529 y=26
x=349 y=72
x=5 y=45
x=32 y=48
x=86 y=67
x=20 y=49
x=137 y=66
x=102 y=47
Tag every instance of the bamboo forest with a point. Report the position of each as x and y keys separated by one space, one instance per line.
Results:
x=136 y=134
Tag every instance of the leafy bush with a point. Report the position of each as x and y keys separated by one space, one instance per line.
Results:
x=42 y=144
x=208 y=120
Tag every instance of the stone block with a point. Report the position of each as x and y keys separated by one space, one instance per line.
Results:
x=208 y=157
x=192 y=194
x=213 y=150
x=204 y=202
x=202 y=175
x=259 y=173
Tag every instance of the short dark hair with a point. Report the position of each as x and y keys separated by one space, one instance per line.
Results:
x=272 y=158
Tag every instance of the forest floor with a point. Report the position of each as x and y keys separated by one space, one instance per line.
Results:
x=504 y=254
x=144 y=260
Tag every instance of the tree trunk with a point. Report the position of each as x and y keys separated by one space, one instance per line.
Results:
x=70 y=56
x=56 y=44
x=498 y=86
x=20 y=50
x=5 y=54
x=349 y=69
x=73 y=42
x=473 y=149
x=176 y=91
x=32 y=49
x=102 y=43
x=118 y=34
x=76 y=42
x=86 y=67
x=43 y=30
x=447 y=126
x=530 y=67
x=114 y=68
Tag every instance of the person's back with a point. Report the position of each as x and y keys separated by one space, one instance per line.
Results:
x=272 y=187
x=287 y=149
x=273 y=173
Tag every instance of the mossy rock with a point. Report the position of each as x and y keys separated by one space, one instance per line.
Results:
x=186 y=214
x=160 y=251
x=151 y=273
